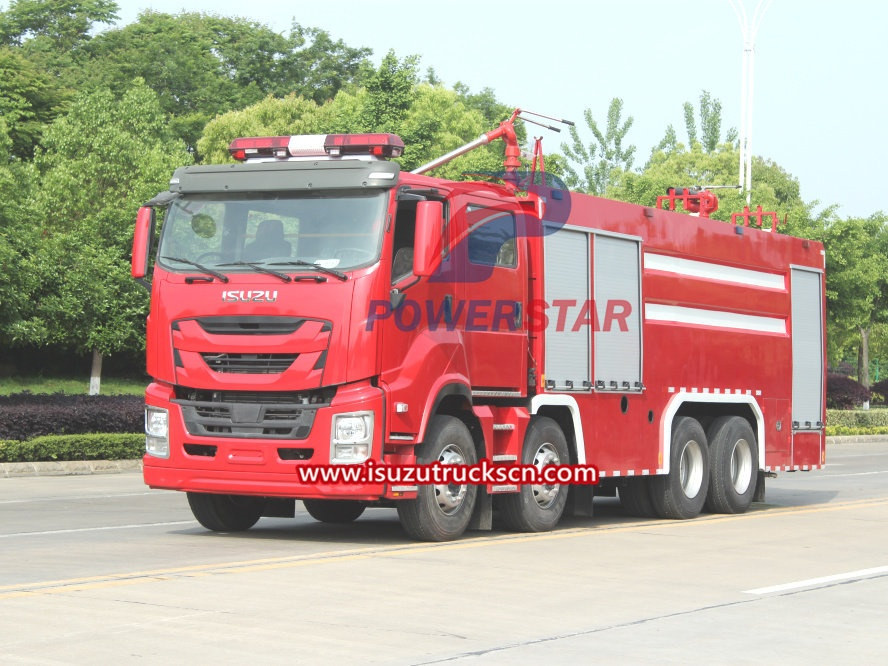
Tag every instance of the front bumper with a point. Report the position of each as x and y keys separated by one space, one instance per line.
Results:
x=264 y=467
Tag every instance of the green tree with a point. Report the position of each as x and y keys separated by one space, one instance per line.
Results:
x=438 y=122
x=604 y=158
x=391 y=91
x=16 y=283
x=318 y=67
x=856 y=285
x=203 y=65
x=485 y=102
x=97 y=165
x=30 y=98
x=64 y=24
x=709 y=135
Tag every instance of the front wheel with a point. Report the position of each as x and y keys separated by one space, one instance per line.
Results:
x=334 y=511
x=681 y=493
x=538 y=507
x=226 y=513
x=442 y=512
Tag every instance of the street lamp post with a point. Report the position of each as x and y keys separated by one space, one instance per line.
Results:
x=748 y=29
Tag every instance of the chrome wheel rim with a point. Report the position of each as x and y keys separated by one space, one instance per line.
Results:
x=690 y=468
x=741 y=466
x=450 y=496
x=545 y=494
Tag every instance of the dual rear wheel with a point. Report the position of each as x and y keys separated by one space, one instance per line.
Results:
x=716 y=469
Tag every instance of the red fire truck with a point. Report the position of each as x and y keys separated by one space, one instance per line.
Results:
x=313 y=306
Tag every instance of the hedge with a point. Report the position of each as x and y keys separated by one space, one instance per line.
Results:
x=863 y=418
x=92 y=446
x=24 y=416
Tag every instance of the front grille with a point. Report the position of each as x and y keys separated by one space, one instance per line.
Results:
x=250 y=325
x=249 y=364
x=253 y=414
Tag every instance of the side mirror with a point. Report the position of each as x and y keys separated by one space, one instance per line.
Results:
x=142 y=241
x=428 y=238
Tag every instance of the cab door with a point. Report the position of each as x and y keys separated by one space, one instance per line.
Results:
x=492 y=269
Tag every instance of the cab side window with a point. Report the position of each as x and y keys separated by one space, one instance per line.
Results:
x=491 y=237
x=405 y=231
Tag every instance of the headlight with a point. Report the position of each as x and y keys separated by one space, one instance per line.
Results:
x=352 y=437
x=157 y=432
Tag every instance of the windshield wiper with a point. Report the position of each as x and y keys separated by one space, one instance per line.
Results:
x=309 y=264
x=209 y=271
x=261 y=269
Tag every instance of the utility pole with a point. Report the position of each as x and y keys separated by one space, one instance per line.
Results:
x=749 y=29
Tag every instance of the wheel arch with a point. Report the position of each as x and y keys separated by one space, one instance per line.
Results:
x=564 y=410
x=705 y=407
x=455 y=399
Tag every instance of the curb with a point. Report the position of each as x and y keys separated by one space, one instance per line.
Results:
x=857 y=439
x=68 y=468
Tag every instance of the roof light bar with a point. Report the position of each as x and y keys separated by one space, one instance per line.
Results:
x=380 y=145
x=317 y=145
x=263 y=146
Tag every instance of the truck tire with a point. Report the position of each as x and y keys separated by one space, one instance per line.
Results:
x=635 y=496
x=734 y=465
x=226 y=513
x=538 y=508
x=334 y=511
x=681 y=493
x=441 y=512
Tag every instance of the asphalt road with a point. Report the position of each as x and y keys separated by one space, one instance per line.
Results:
x=98 y=569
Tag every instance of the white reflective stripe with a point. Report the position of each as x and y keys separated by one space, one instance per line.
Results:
x=307 y=144
x=709 y=271
x=715 y=318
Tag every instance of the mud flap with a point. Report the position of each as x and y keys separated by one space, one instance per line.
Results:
x=482 y=516
x=759 y=495
x=579 y=502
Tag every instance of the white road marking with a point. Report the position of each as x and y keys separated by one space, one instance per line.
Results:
x=823 y=580
x=832 y=476
x=97 y=529
x=71 y=498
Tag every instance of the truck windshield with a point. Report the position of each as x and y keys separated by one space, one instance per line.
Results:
x=341 y=230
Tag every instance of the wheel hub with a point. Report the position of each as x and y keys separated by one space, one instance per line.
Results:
x=691 y=468
x=450 y=496
x=545 y=494
x=741 y=466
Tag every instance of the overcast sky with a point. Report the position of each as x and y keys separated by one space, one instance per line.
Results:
x=820 y=83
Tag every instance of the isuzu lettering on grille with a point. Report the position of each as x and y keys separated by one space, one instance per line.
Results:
x=255 y=296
